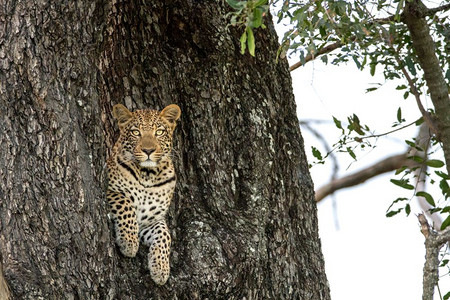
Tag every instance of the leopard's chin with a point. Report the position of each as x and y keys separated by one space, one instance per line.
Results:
x=148 y=164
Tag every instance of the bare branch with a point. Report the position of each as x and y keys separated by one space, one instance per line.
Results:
x=432 y=11
x=433 y=243
x=443 y=237
x=386 y=165
x=423 y=141
x=311 y=57
x=424 y=226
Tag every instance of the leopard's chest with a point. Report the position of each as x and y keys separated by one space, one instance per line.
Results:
x=151 y=203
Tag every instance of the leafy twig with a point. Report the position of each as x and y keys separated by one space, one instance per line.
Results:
x=339 y=44
x=426 y=115
x=322 y=51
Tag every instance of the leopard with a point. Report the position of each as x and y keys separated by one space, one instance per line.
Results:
x=141 y=184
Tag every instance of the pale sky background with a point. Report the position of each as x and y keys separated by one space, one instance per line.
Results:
x=367 y=256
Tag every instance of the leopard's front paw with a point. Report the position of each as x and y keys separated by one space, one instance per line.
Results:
x=159 y=267
x=128 y=247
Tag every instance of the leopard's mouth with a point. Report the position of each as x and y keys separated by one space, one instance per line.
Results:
x=148 y=163
x=147 y=160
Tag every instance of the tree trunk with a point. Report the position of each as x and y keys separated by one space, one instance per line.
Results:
x=415 y=12
x=243 y=220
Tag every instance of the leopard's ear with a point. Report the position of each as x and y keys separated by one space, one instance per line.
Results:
x=171 y=113
x=121 y=114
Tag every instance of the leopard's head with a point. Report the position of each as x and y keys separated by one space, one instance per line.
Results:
x=145 y=135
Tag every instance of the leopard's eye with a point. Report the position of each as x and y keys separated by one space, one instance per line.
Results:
x=159 y=132
x=135 y=132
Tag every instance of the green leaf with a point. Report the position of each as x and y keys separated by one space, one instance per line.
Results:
x=316 y=153
x=243 y=42
x=442 y=175
x=407 y=209
x=435 y=163
x=399 y=115
x=419 y=121
x=393 y=212
x=354 y=124
x=238 y=5
x=257 y=18
x=416 y=158
x=398 y=171
x=434 y=210
x=337 y=123
x=323 y=32
x=352 y=154
x=410 y=65
x=444 y=188
x=411 y=144
x=402 y=183
x=396 y=201
x=358 y=64
x=447 y=296
x=373 y=67
x=446 y=223
x=250 y=41
x=371 y=89
x=414 y=145
x=427 y=197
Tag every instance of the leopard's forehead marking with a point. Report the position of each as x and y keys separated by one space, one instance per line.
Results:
x=146 y=118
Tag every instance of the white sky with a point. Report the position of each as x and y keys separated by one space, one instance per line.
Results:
x=369 y=256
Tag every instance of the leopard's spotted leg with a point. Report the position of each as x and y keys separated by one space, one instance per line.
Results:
x=156 y=235
x=126 y=226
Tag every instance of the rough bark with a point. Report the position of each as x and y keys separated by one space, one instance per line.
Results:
x=243 y=220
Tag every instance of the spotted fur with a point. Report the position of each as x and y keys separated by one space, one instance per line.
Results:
x=141 y=182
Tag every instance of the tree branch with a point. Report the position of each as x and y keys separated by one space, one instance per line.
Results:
x=423 y=140
x=311 y=57
x=386 y=165
x=432 y=11
x=423 y=45
x=433 y=243
x=334 y=46
x=426 y=115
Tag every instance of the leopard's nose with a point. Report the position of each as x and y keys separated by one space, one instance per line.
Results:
x=148 y=151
